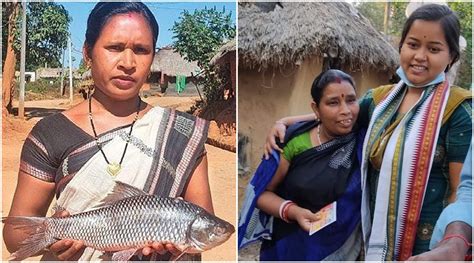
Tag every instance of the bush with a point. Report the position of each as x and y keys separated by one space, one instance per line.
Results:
x=42 y=89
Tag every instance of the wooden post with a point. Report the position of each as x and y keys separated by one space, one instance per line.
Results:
x=386 y=18
x=71 y=92
x=21 y=104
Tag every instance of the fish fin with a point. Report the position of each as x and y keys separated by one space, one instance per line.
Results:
x=124 y=255
x=119 y=192
x=37 y=239
x=174 y=259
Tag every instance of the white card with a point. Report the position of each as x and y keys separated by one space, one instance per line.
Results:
x=327 y=216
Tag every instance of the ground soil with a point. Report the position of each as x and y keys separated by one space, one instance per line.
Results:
x=222 y=163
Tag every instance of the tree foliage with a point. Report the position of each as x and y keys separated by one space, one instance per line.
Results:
x=47 y=31
x=374 y=11
x=198 y=35
x=464 y=12
x=197 y=38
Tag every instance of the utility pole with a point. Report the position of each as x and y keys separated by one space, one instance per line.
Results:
x=21 y=104
x=61 y=88
x=70 y=70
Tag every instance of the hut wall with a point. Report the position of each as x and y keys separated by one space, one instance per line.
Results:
x=366 y=80
x=268 y=96
x=263 y=98
x=301 y=99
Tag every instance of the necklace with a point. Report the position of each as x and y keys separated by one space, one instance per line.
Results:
x=317 y=134
x=113 y=168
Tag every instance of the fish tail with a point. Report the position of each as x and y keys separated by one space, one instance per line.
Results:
x=37 y=240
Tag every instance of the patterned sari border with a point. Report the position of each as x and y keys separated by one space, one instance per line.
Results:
x=420 y=171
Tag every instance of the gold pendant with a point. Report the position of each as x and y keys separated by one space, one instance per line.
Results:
x=113 y=168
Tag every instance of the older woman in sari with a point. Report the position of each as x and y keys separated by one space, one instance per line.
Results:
x=318 y=166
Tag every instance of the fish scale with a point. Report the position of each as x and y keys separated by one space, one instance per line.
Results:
x=131 y=222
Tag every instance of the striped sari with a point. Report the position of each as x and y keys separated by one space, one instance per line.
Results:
x=403 y=151
x=164 y=149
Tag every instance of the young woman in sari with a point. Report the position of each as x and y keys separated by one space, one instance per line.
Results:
x=78 y=154
x=419 y=132
x=319 y=165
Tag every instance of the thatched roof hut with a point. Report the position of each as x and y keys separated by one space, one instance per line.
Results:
x=291 y=32
x=283 y=46
x=227 y=48
x=171 y=63
x=224 y=62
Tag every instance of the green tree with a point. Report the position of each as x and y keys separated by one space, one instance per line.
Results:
x=46 y=35
x=374 y=11
x=397 y=17
x=47 y=30
x=464 y=12
x=82 y=67
x=197 y=37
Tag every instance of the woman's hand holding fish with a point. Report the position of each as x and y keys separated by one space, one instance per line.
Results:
x=66 y=249
x=161 y=249
x=303 y=216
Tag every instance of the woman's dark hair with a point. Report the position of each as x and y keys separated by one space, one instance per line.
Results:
x=449 y=23
x=324 y=79
x=103 y=11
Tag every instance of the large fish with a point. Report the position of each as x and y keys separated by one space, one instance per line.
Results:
x=127 y=220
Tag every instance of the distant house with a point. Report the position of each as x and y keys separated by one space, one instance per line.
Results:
x=29 y=76
x=55 y=73
x=225 y=60
x=168 y=64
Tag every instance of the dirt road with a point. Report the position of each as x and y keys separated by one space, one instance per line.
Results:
x=221 y=166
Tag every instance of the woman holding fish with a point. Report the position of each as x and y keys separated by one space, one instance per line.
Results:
x=77 y=155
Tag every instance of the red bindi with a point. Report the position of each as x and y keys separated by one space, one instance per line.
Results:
x=342 y=95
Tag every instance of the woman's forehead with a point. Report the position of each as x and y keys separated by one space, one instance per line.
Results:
x=127 y=25
x=423 y=29
x=338 y=88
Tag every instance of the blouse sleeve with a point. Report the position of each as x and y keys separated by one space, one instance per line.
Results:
x=366 y=104
x=288 y=151
x=459 y=133
x=35 y=159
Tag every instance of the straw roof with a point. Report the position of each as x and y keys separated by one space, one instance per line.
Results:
x=223 y=50
x=171 y=63
x=48 y=72
x=275 y=34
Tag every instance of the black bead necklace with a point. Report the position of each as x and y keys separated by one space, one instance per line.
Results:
x=113 y=168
